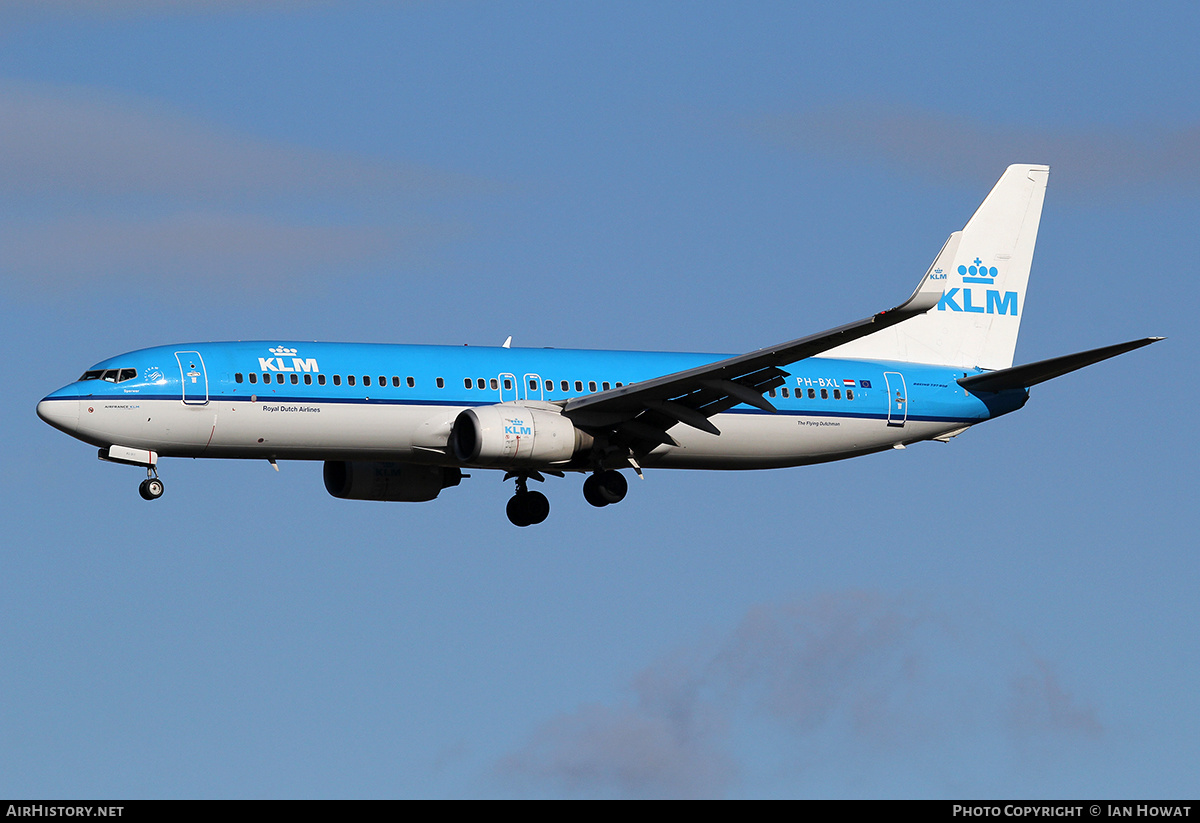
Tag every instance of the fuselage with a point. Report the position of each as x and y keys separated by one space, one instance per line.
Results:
x=351 y=401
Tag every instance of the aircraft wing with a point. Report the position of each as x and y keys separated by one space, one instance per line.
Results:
x=638 y=415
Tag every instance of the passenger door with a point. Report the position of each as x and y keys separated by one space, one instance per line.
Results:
x=194 y=376
x=897 y=398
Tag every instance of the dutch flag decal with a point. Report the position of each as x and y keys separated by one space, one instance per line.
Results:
x=849 y=383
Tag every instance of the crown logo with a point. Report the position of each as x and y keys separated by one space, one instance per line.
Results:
x=284 y=351
x=978 y=273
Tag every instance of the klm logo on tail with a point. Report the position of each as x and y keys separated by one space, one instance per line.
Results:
x=962 y=299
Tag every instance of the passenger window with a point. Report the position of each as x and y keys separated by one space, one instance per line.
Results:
x=253 y=377
x=618 y=385
x=604 y=385
x=824 y=394
x=279 y=378
x=533 y=385
x=308 y=379
x=337 y=380
x=812 y=394
x=771 y=393
x=321 y=379
x=849 y=394
x=349 y=380
x=565 y=385
x=383 y=380
x=591 y=385
x=237 y=378
x=549 y=385
x=578 y=385
x=480 y=383
x=395 y=382
x=837 y=394
x=785 y=391
x=507 y=384
x=441 y=384
x=295 y=379
x=266 y=377
x=467 y=384
x=495 y=384
x=366 y=379
x=411 y=383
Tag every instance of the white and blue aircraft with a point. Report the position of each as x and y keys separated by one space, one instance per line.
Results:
x=402 y=422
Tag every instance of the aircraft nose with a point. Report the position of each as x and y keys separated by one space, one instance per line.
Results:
x=61 y=414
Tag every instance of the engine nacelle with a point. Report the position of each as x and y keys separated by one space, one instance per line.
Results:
x=510 y=435
x=398 y=482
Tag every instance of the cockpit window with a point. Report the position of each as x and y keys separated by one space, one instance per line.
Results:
x=111 y=375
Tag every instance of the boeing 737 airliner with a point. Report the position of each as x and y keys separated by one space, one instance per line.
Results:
x=402 y=422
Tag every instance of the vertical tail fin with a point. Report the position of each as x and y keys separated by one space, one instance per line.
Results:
x=984 y=269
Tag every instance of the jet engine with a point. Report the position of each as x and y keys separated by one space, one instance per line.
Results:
x=398 y=482
x=510 y=435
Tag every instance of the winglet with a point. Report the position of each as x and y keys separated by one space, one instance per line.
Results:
x=929 y=290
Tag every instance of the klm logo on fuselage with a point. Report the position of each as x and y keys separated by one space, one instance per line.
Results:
x=284 y=356
x=978 y=301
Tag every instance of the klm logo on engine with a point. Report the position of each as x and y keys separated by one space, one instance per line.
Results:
x=285 y=360
x=518 y=427
x=978 y=301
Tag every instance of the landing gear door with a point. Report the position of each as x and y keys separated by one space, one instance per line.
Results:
x=897 y=398
x=195 y=378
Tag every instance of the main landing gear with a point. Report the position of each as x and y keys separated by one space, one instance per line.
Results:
x=151 y=488
x=527 y=508
x=605 y=488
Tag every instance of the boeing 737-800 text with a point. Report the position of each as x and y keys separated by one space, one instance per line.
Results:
x=402 y=422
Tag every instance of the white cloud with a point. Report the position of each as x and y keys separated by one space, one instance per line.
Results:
x=1149 y=156
x=627 y=751
x=85 y=142
x=855 y=686
x=201 y=251
x=110 y=7
x=100 y=188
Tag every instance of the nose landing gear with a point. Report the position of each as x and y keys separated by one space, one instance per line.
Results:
x=151 y=488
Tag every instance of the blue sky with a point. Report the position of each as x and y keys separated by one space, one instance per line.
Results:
x=1011 y=614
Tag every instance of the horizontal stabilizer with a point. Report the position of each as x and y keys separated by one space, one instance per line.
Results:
x=1022 y=377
